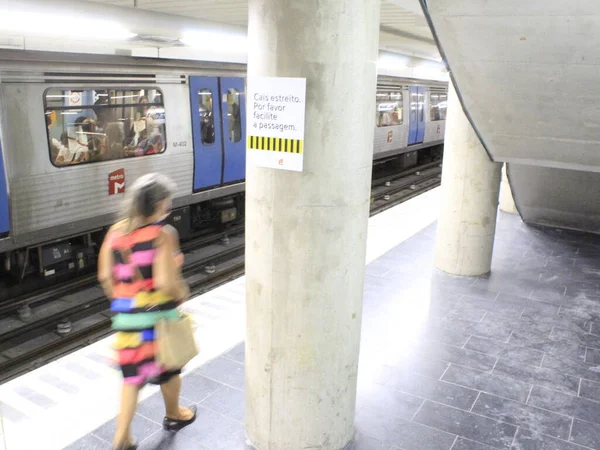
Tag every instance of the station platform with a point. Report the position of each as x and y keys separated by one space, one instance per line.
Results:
x=508 y=361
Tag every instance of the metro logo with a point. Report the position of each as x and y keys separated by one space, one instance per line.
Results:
x=116 y=182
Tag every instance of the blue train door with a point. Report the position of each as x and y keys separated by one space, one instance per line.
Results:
x=4 y=219
x=416 y=130
x=206 y=129
x=233 y=107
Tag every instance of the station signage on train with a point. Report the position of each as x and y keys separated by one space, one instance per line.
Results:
x=275 y=122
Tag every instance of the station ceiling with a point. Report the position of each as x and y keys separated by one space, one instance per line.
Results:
x=403 y=25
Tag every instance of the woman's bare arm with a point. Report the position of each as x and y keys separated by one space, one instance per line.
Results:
x=167 y=276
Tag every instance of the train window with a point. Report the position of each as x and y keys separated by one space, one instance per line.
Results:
x=206 y=116
x=234 y=114
x=438 y=106
x=91 y=125
x=389 y=109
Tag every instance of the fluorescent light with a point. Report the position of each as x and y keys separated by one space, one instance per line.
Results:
x=60 y=25
x=215 y=40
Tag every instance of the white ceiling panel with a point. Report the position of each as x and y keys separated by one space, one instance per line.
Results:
x=402 y=21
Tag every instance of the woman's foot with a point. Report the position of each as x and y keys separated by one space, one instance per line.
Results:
x=129 y=445
x=185 y=417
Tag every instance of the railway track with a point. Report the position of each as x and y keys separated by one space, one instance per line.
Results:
x=73 y=315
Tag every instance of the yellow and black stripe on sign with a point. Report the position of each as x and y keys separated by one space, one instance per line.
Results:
x=276 y=144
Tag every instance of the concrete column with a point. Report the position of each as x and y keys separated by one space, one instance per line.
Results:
x=470 y=186
x=507 y=202
x=306 y=232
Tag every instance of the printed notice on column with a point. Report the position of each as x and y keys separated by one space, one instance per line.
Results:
x=275 y=122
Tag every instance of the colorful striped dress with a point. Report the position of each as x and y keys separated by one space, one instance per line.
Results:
x=138 y=306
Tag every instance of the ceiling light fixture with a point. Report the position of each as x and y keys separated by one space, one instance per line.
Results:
x=61 y=25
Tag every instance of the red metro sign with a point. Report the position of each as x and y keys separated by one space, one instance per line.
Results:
x=116 y=182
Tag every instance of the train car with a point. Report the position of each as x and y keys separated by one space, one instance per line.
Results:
x=76 y=129
x=410 y=116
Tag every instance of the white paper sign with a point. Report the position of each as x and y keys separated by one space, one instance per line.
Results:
x=275 y=122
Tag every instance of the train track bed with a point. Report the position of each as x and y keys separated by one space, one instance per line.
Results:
x=63 y=321
x=392 y=191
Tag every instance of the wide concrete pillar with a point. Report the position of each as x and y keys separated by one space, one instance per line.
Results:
x=470 y=186
x=306 y=232
x=507 y=201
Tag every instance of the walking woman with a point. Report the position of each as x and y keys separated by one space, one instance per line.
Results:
x=139 y=272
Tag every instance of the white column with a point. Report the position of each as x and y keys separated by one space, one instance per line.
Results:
x=306 y=232
x=470 y=186
x=507 y=202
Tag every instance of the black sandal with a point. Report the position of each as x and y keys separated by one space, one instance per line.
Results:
x=176 y=425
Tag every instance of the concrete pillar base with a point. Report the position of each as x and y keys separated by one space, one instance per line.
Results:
x=470 y=187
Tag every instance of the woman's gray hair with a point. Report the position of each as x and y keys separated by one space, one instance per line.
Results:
x=143 y=196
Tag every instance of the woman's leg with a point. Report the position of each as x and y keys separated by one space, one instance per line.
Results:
x=129 y=398
x=170 y=391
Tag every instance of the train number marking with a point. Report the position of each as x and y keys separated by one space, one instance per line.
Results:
x=180 y=144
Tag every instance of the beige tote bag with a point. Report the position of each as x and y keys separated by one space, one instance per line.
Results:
x=176 y=345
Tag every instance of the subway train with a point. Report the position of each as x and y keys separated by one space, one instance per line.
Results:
x=76 y=129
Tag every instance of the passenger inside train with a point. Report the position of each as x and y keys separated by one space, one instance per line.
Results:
x=109 y=125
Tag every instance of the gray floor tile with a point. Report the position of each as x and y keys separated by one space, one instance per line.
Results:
x=493 y=384
x=530 y=440
x=589 y=340
x=522 y=415
x=488 y=328
x=459 y=356
x=585 y=433
x=439 y=391
x=231 y=437
x=590 y=389
x=236 y=353
x=89 y=442
x=227 y=401
x=537 y=375
x=592 y=356
x=195 y=387
x=549 y=294
x=414 y=364
x=466 y=444
x=362 y=442
x=162 y=440
x=570 y=405
x=509 y=351
x=544 y=343
x=526 y=303
x=571 y=366
x=466 y=424
x=141 y=429
x=389 y=401
x=398 y=433
x=208 y=424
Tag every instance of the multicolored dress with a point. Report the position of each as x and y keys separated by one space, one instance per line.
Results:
x=138 y=305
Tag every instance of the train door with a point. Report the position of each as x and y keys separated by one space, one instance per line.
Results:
x=233 y=108
x=218 y=123
x=416 y=132
x=206 y=129
x=4 y=219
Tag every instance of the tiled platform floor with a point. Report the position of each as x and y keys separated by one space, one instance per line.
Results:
x=504 y=362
